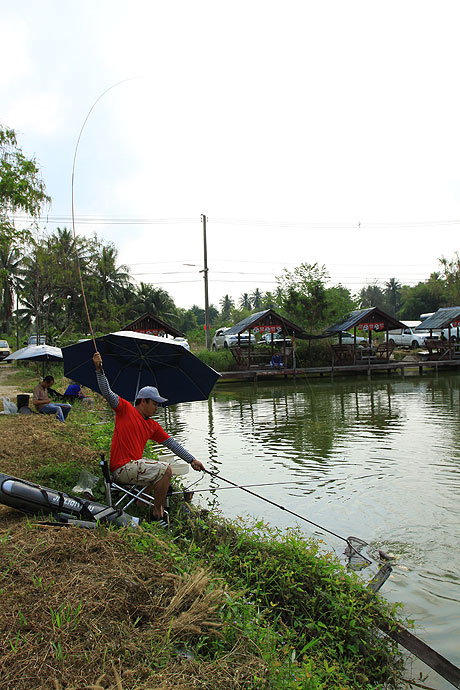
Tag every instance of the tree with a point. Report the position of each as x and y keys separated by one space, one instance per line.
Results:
x=393 y=294
x=226 y=306
x=256 y=299
x=157 y=301
x=451 y=274
x=426 y=296
x=339 y=301
x=21 y=188
x=303 y=294
x=110 y=278
x=245 y=301
x=372 y=296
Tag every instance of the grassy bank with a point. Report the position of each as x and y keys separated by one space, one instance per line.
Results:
x=212 y=604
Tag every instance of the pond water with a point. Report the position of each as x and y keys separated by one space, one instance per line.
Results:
x=377 y=459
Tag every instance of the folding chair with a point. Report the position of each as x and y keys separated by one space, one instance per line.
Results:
x=123 y=495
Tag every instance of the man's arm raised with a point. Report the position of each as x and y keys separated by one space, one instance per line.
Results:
x=111 y=397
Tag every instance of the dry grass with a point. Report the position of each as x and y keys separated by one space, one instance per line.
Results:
x=82 y=610
x=30 y=441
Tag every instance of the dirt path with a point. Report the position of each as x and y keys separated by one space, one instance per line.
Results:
x=7 y=391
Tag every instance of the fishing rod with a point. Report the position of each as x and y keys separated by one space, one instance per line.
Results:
x=224 y=488
x=287 y=510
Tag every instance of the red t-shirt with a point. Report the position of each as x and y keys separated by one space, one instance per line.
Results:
x=132 y=431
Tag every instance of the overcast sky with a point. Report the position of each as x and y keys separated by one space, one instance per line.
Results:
x=306 y=132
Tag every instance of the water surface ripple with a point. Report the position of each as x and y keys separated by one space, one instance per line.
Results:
x=376 y=459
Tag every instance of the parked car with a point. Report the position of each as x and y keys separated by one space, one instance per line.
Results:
x=33 y=340
x=223 y=339
x=408 y=336
x=4 y=349
x=182 y=341
x=278 y=340
x=349 y=339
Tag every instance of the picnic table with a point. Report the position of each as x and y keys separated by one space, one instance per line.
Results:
x=348 y=354
x=439 y=349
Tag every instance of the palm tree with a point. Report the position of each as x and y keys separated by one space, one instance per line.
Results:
x=393 y=292
x=154 y=300
x=256 y=299
x=111 y=279
x=245 y=301
x=226 y=306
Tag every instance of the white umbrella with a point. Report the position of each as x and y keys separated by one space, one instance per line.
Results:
x=37 y=353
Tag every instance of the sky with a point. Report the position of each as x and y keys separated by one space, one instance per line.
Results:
x=305 y=131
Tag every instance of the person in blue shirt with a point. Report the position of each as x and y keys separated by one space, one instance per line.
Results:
x=276 y=361
x=74 y=391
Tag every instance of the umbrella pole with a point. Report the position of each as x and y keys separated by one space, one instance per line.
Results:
x=137 y=384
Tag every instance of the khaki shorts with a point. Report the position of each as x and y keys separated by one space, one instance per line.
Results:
x=141 y=472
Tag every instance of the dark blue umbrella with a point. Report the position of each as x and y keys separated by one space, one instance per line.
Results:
x=133 y=360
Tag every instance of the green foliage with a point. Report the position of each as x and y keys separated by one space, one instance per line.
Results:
x=21 y=188
x=227 y=304
x=426 y=296
x=373 y=296
x=306 y=300
x=304 y=294
x=221 y=360
x=393 y=294
x=313 y=353
x=62 y=476
x=451 y=275
x=325 y=620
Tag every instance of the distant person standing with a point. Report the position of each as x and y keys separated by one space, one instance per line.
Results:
x=43 y=403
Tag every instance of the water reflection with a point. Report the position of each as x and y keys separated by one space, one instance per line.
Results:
x=379 y=459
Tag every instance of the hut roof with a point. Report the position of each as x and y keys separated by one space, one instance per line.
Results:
x=440 y=319
x=266 y=319
x=371 y=316
x=148 y=322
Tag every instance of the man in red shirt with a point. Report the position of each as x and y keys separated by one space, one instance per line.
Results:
x=133 y=428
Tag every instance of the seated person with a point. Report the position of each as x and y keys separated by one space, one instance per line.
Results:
x=276 y=361
x=74 y=392
x=43 y=403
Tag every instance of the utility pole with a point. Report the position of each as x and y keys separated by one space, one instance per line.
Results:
x=205 y=276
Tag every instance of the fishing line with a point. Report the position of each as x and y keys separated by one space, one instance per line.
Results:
x=225 y=488
x=301 y=517
x=73 y=210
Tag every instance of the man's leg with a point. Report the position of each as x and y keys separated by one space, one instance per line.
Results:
x=160 y=491
x=52 y=408
x=145 y=473
x=65 y=407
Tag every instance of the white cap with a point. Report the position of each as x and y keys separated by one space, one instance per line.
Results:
x=151 y=393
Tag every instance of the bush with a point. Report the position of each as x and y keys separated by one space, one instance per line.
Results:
x=221 y=360
x=313 y=353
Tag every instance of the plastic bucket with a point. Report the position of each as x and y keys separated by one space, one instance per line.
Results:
x=22 y=401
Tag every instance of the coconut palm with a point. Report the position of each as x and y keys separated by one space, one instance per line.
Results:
x=256 y=299
x=157 y=301
x=393 y=293
x=226 y=306
x=110 y=278
x=245 y=301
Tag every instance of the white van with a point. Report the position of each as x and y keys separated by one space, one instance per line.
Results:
x=33 y=340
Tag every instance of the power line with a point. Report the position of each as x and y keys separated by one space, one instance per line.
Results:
x=309 y=225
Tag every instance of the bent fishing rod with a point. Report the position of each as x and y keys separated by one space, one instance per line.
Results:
x=288 y=510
